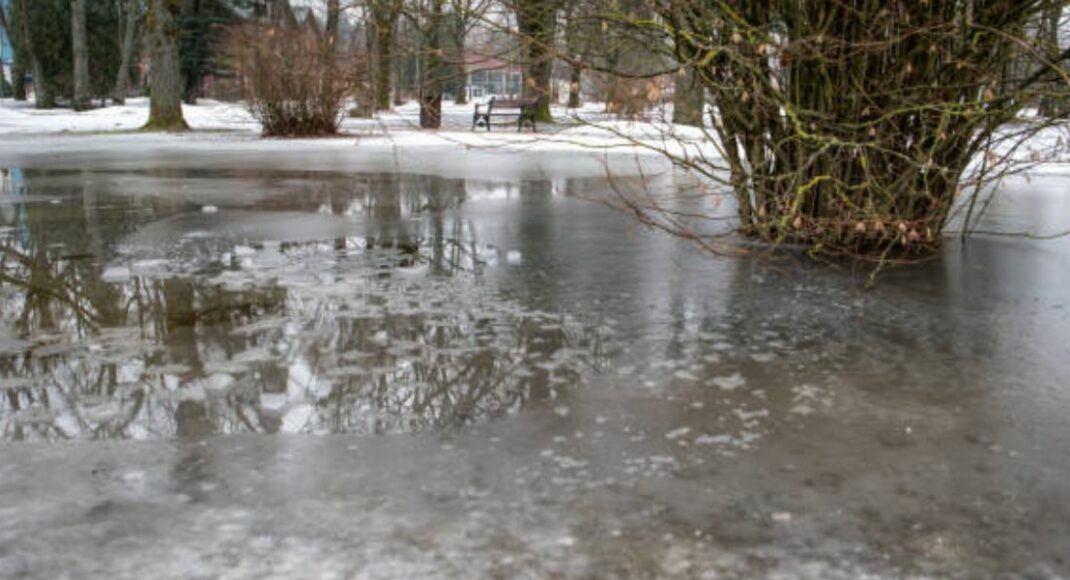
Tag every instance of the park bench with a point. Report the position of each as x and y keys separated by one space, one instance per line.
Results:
x=523 y=109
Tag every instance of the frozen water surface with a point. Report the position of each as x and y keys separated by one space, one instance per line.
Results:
x=331 y=362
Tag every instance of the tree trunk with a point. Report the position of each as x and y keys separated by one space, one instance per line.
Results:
x=461 y=96
x=431 y=83
x=43 y=93
x=18 y=71
x=384 y=67
x=574 y=83
x=334 y=17
x=399 y=75
x=1055 y=105
x=18 y=80
x=689 y=98
x=536 y=20
x=165 y=104
x=385 y=16
x=192 y=45
x=122 y=78
x=81 y=56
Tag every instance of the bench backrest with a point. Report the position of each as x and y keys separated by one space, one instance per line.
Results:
x=496 y=103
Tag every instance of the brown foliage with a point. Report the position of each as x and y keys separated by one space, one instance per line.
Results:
x=293 y=81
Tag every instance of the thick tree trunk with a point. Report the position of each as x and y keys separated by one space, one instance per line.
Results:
x=43 y=93
x=431 y=83
x=165 y=104
x=81 y=56
x=385 y=15
x=536 y=20
x=122 y=78
x=688 y=100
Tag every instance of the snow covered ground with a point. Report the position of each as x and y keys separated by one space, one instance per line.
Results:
x=583 y=129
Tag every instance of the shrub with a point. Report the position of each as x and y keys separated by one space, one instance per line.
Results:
x=293 y=81
x=854 y=127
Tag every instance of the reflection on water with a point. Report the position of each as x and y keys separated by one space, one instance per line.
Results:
x=757 y=416
x=132 y=316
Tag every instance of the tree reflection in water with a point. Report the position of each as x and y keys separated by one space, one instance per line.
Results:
x=392 y=331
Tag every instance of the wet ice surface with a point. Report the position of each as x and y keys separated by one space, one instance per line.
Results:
x=227 y=366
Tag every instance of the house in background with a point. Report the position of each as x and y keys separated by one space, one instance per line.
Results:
x=7 y=53
x=489 y=76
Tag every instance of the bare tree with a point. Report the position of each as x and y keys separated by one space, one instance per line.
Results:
x=465 y=14
x=81 y=55
x=44 y=96
x=427 y=18
x=334 y=19
x=537 y=26
x=384 y=16
x=18 y=75
x=1051 y=20
x=573 y=39
x=854 y=127
x=165 y=104
x=132 y=10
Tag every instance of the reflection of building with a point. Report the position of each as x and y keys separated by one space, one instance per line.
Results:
x=491 y=77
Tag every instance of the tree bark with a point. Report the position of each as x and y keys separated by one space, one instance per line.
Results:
x=81 y=56
x=334 y=18
x=1052 y=106
x=537 y=22
x=431 y=83
x=43 y=94
x=689 y=98
x=461 y=98
x=192 y=43
x=165 y=103
x=18 y=79
x=385 y=15
x=572 y=47
x=574 y=83
x=122 y=78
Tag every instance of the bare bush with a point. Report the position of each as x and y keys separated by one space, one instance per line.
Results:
x=293 y=81
x=856 y=127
